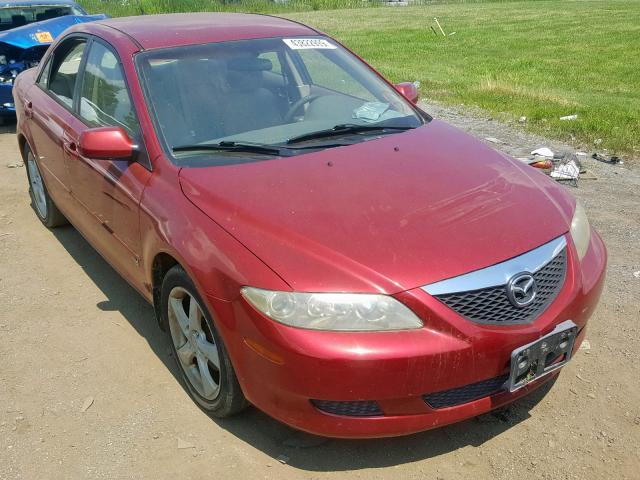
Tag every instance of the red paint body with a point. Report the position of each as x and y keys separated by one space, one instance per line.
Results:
x=105 y=143
x=390 y=215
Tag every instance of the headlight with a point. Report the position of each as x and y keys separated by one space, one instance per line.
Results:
x=333 y=311
x=580 y=230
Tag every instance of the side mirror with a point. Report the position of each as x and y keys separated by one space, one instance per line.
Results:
x=408 y=91
x=106 y=143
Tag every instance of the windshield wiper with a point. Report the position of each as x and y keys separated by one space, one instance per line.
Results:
x=342 y=129
x=230 y=147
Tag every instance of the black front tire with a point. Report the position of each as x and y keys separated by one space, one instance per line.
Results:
x=230 y=400
x=48 y=214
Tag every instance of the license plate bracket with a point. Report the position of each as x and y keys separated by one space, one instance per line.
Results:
x=540 y=358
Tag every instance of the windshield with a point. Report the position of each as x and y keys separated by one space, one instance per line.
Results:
x=308 y=92
x=18 y=16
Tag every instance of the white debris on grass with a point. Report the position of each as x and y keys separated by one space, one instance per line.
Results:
x=566 y=171
x=543 y=152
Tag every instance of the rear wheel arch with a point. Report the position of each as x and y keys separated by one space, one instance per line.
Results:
x=22 y=143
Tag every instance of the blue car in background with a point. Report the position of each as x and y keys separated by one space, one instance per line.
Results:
x=27 y=28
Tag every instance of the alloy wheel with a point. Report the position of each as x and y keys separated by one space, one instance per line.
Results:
x=37 y=186
x=194 y=344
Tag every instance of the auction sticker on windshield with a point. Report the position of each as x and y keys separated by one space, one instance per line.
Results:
x=44 y=37
x=307 y=43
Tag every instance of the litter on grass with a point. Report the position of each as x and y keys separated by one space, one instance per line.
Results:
x=566 y=170
x=543 y=152
x=613 y=160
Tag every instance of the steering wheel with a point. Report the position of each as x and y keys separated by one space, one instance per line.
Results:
x=297 y=104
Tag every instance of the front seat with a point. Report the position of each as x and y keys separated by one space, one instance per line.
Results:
x=251 y=106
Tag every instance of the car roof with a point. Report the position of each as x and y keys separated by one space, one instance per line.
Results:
x=30 y=3
x=178 y=29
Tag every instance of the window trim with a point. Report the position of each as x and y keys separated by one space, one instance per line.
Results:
x=44 y=72
x=78 y=97
x=142 y=156
x=51 y=58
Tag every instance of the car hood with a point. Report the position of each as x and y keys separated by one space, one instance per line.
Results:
x=25 y=36
x=385 y=215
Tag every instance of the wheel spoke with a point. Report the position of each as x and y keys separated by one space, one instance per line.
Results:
x=194 y=315
x=186 y=353
x=181 y=316
x=37 y=186
x=209 y=351
x=209 y=386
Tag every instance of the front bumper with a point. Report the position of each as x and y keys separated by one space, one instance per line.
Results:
x=283 y=369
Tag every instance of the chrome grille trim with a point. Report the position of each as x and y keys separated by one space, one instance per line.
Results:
x=486 y=300
x=499 y=274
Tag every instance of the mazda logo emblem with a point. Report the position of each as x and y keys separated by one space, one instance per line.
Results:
x=522 y=289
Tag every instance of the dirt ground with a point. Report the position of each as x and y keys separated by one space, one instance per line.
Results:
x=88 y=389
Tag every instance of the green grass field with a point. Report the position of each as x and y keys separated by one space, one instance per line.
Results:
x=539 y=59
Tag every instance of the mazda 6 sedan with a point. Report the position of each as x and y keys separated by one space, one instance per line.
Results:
x=313 y=243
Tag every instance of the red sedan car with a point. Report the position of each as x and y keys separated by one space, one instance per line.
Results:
x=313 y=243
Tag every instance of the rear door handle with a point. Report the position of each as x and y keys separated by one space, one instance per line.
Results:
x=28 y=109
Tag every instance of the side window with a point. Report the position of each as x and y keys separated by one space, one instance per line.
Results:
x=64 y=71
x=104 y=99
x=43 y=80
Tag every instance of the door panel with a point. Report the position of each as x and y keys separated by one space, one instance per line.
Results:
x=108 y=190
x=47 y=125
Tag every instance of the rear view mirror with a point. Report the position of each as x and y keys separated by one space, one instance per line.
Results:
x=106 y=143
x=408 y=90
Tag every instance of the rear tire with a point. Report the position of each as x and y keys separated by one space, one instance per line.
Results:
x=44 y=206
x=198 y=349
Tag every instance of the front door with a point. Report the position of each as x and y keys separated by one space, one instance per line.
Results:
x=109 y=190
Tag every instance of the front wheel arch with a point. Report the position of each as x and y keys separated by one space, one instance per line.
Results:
x=160 y=266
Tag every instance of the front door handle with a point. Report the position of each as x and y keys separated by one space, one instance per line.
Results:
x=70 y=147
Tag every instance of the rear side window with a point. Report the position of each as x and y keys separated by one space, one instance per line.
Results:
x=64 y=72
x=43 y=80
x=104 y=98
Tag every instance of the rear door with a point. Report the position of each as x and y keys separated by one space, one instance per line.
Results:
x=109 y=190
x=48 y=109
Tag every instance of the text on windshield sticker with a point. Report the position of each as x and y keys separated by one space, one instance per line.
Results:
x=307 y=43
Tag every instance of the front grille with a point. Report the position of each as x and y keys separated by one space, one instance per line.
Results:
x=491 y=305
x=468 y=393
x=359 y=408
